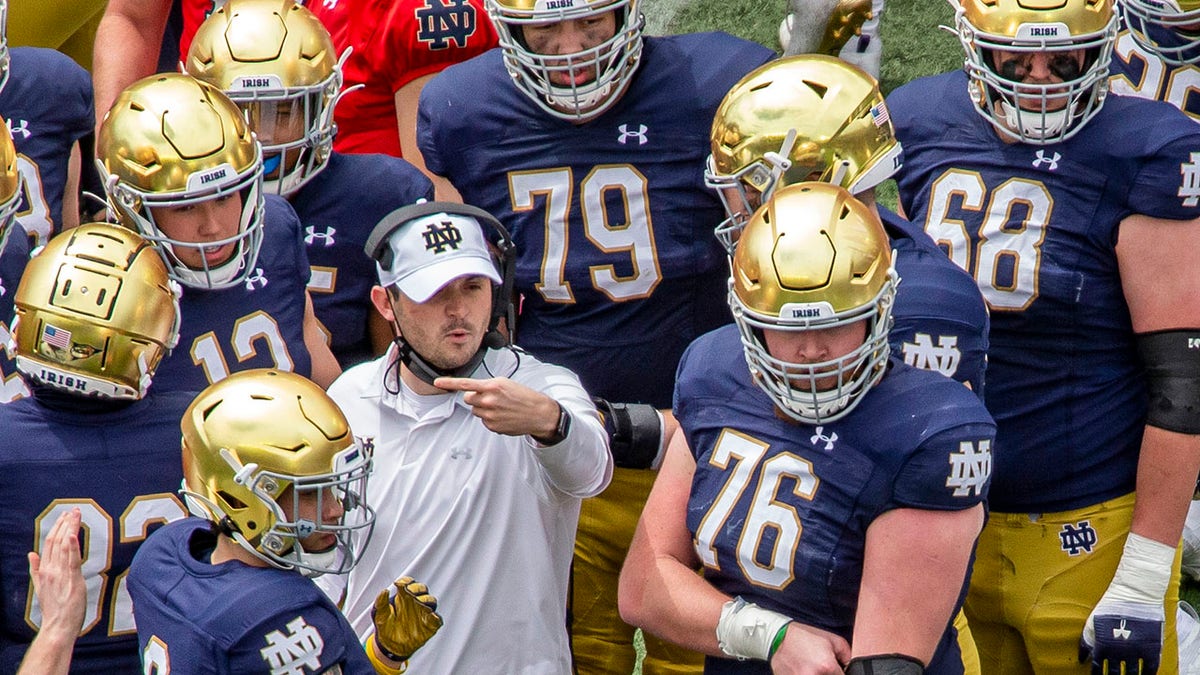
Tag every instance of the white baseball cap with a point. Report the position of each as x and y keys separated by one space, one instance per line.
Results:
x=433 y=250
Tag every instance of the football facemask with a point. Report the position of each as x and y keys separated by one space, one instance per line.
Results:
x=611 y=64
x=814 y=258
x=172 y=142
x=277 y=62
x=1002 y=39
x=269 y=457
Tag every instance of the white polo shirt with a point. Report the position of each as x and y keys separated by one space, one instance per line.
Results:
x=486 y=521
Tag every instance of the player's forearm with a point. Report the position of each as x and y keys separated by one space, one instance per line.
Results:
x=914 y=566
x=1166 y=480
x=127 y=45
x=50 y=653
x=661 y=595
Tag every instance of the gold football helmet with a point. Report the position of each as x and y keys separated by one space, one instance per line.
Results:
x=814 y=257
x=171 y=141
x=95 y=313
x=614 y=60
x=800 y=118
x=1166 y=28
x=260 y=448
x=277 y=62
x=10 y=184
x=1039 y=114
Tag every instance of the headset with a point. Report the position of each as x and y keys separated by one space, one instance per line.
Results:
x=502 y=306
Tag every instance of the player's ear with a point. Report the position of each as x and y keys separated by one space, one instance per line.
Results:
x=383 y=304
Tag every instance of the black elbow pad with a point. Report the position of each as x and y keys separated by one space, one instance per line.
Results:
x=1172 y=362
x=634 y=432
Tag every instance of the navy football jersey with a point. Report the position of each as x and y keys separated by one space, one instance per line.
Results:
x=122 y=470
x=257 y=324
x=617 y=263
x=1037 y=227
x=12 y=266
x=1137 y=72
x=231 y=617
x=47 y=103
x=338 y=209
x=917 y=440
x=941 y=322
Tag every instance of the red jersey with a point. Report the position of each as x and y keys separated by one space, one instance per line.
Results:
x=194 y=14
x=395 y=42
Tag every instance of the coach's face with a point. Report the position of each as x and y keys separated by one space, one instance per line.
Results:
x=447 y=329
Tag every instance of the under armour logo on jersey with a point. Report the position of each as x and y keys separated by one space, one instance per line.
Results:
x=296 y=653
x=922 y=353
x=311 y=235
x=367 y=443
x=970 y=468
x=460 y=453
x=256 y=280
x=441 y=21
x=627 y=135
x=1078 y=539
x=1189 y=187
x=820 y=437
x=1121 y=632
x=437 y=238
x=22 y=129
x=1043 y=159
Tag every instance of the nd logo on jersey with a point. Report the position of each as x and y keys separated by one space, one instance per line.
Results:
x=970 y=468
x=441 y=21
x=943 y=357
x=297 y=652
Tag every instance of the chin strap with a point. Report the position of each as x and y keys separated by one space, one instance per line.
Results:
x=427 y=372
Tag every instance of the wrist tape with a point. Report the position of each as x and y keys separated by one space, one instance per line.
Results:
x=1144 y=572
x=746 y=631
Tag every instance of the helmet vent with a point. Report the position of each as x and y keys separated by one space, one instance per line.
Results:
x=819 y=89
x=232 y=501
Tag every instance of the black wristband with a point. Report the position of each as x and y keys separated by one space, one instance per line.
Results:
x=560 y=431
x=885 y=664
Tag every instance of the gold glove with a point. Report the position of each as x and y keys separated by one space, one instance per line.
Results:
x=404 y=619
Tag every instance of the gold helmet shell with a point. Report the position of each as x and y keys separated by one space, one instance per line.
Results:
x=277 y=62
x=260 y=440
x=95 y=313
x=171 y=140
x=800 y=118
x=615 y=60
x=1039 y=114
x=812 y=258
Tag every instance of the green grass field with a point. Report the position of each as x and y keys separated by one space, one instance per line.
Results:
x=913 y=46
